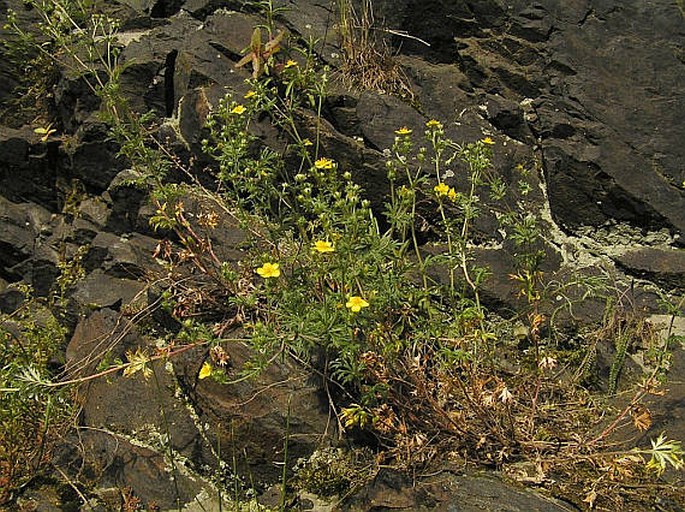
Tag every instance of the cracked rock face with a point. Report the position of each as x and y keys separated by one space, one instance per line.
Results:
x=604 y=82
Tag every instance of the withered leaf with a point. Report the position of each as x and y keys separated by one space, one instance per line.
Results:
x=642 y=418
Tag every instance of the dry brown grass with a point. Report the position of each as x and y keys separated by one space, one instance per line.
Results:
x=367 y=61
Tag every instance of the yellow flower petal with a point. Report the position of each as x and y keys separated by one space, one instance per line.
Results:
x=324 y=163
x=291 y=63
x=323 y=246
x=403 y=131
x=441 y=189
x=205 y=371
x=488 y=140
x=269 y=270
x=356 y=303
x=434 y=124
x=238 y=109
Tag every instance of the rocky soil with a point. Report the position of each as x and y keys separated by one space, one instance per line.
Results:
x=588 y=92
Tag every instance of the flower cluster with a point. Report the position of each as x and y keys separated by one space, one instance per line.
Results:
x=443 y=190
x=324 y=164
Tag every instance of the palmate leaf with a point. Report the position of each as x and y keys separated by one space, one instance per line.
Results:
x=665 y=453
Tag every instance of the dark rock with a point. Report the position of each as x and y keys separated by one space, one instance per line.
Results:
x=448 y=492
x=122 y=256
x=200 y=9
x=193 y=113
x=227 y=238
x=38 y=242
x=16 y=73
x=605 y=116
x=597 y=84
x=125 y=200
x=532 y=23
x=440 y=23
x=8 y=72
x=249 y=417
x=103 y=334
x=165 y=8
x=342 y=109
x=148 y=80
x=120 y=469
x=145 y=407
x=629 y=373
x=141 y=222
x=99 y=290
x=664 y=266
x=315 y=20
x=11 y=299
x=620 y=109
x=40 y=274
x=204 y=70
x=93 y=159
x=20 y=225
x=92 y=212
x=366 y=165
x=143 y=6
x=75 y=101
x=380 y=115
x=28 y=167
x=499 y=291
x=45 y=498
x=148 y=410
x=508 y=117
x=446 y=93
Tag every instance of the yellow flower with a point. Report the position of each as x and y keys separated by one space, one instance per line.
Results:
x=434 y=125
x=324 y=163
x=307 y=142
x=238 y=109
x=441 y=189
x=356 y=303
x=403 y=131
x=205 y=371
x=249 y=94
x=452 y=195
x=290 y=64
x=322 y=246
x=269 y=270
x=488 y=140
